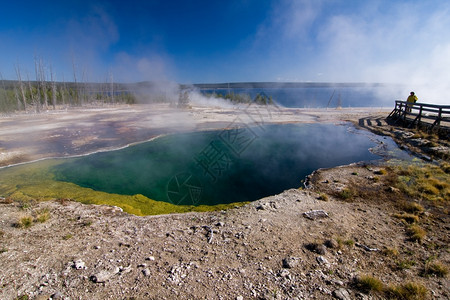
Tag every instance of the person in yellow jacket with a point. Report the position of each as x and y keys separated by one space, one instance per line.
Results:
x=412 y=98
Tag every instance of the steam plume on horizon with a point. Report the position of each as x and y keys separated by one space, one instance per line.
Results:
x=396 y=44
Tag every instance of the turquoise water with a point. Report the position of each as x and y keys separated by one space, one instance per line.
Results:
x=241 y=164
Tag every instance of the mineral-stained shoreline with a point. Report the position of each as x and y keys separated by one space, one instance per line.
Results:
x=273 y=248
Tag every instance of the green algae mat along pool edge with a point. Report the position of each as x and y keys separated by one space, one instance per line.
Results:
x=34 y=181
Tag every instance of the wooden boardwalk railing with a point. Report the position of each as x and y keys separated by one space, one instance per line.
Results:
x=416 y=114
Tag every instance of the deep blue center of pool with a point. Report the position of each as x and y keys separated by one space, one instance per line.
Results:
x=214 y=167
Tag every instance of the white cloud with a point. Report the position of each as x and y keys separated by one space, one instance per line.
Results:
x=384 y=41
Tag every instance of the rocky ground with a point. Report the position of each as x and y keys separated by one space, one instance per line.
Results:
x=314 y=243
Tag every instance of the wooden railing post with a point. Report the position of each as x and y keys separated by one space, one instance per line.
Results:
x=420 y=114
x=439 y=117
x=439 y=114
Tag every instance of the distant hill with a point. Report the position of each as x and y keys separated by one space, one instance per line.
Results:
x=250 y=85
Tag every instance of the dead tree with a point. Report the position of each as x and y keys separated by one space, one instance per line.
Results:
x=112 y=86
x=84 y=86
x=75 y=81
x=22 y=90
x=38 y=80
x=43 y=82
x=3 y=90
x=34 y=96
x=63 y=91
x=16 y=95
x=52 y=78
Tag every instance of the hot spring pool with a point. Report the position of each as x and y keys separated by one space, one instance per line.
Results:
x=219 y=167
x=198 y=170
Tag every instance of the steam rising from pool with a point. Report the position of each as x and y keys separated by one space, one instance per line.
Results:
x=219 y=167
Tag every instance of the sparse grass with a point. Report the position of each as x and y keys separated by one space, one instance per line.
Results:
x=369 y=284
x=323 y=197
x=407 y=291
x=416 y=233
x=412 y=207
x=67 y=236
x=427 y=187
x=408 y=218
x=3 y=250
x=24 y=204
x=43 y=216
x=438 y=184
x=380 y=172
x=87 y=223
x=344 y=242
x=390 y=252
x=349 y=243
x=346 y=194
x=25 y=222
x=405 y=264
x=427 y=182
x=435 y=268
x=445 y=166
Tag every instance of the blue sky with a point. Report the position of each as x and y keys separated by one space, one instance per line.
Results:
x=230 y=41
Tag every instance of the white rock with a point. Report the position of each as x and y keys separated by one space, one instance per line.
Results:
x=341 y=294
x=322 y=260
x=101 y=276
x=146 y=272
x=79 y=264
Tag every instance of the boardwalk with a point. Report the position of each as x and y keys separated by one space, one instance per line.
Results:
x=431 y=116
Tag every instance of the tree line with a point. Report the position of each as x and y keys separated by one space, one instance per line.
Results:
x=260 y=98
x=45 y=92
x=37 y=96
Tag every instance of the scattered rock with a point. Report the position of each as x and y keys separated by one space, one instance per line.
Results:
x=125 y=270
x=341 y=294
x=79 y=264
x=316 y=248
x=393 y=189
x=366 y=247
x=101 y=276
x=315 y=214
x=426 y=158
x=284 y=273
x=57 y=295
x=260 y=207
x=321 y=249
x=267 y=205
x=290 y=262
x=332 y=244
x=322 y=261
x=146 y=272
